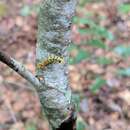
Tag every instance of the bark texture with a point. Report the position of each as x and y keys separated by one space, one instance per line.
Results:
x=53 y=38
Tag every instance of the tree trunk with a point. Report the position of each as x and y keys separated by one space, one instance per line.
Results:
x=53 y=39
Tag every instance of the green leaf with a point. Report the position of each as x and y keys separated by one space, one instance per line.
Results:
x=96 y=43
x=75 y=19
x=81 y=56
x=82 y=2
x=3 y=9
x=98 y=83
x=84 y=31
x=122 y=50
x=71 y=61
x=35 y=8
x=31 y=127
x=97 y=31
x=84 y=20
x=92 y=28
x=103 y=32
x=124 y=8
x=72 y=47
x=124 y=72
x=25 y=11
x=81 y=124
x=104 y=61
x=76 y=100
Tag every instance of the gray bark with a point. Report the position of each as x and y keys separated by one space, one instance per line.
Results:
x=53 y=38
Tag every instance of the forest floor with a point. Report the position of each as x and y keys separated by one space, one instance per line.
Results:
x=107 y=109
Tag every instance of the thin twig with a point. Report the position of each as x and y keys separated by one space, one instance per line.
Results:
x=19 y=68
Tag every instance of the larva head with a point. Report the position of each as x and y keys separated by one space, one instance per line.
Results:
x=40 y=65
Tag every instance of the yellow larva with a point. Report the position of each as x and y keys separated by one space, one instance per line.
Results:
x=50 y=60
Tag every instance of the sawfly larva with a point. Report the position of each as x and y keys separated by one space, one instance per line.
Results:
x=50 y=60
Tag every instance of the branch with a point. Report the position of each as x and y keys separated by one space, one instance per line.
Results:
x=54 y=34
x=19 y=68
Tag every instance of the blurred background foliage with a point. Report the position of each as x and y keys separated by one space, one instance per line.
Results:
x=99 y=62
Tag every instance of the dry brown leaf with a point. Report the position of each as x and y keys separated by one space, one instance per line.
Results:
x=125 y=95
